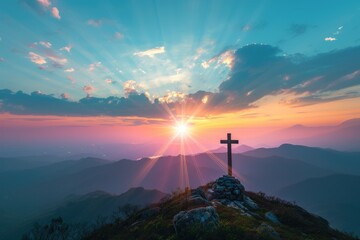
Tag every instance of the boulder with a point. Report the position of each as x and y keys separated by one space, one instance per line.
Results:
x=272 y=217
x=205 y=218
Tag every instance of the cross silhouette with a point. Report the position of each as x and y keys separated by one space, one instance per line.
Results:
x=229 y=141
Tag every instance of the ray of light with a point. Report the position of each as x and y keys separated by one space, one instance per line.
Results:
x=151 y=162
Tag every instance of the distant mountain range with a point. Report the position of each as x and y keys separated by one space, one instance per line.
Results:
x=344 y=136
x=334 y=197
x=27 y=192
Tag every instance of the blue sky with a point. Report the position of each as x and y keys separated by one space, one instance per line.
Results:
x=162 y=49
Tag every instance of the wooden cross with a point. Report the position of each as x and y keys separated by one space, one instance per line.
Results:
x=229 y=141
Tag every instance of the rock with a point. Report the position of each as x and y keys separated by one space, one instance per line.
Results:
x=249 y=202
x=268 y=231
x=272 y=217
x=203 y=217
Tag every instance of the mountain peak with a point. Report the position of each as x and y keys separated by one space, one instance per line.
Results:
x=221 y=210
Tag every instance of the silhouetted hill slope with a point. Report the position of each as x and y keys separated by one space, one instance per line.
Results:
x=345 y=162
x=334 y=197
x=295 y=223
x=86 y=208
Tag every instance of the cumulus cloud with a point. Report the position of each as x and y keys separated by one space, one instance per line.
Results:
x=330 y=39
x=38 y=103
x=44 y=3
x=36 y=58
x=94 y=22
x=55 y=12
x=151 y=52
x=226 y=58
x=257 y=71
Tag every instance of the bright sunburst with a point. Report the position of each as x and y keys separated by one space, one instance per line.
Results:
x=182 y=129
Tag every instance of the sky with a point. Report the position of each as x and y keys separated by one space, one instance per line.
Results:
x=130 y=71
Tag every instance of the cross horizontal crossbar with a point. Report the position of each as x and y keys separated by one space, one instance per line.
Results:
x=227 y=141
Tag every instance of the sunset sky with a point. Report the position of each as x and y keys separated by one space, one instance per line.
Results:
x=97 y=72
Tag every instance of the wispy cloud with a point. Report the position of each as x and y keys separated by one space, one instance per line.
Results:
x=93 y=66
x=55 y=12
x=330 y=39
x=226 y=58
x=118 y=35
x=36 y=58
x=66 y=48
x=45 y=44
x=69 y=70
x=151 y=52
x=94 y=22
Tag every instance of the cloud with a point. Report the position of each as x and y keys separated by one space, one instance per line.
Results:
x=257 y=71
x=55 y=12
x=69 y=70
x=93 y=66
x=118 y=35
x=88 y=89
x=262 y=70
x=56 y=60
x=226 y=58
x=109 y=81
x=44 y=3
x=45 y=44
x=65 y=96
x=36 y=58
x=330 y=39
x=2 y=59
x=38 y=103
x=66 y=48
x=94 y=22
x=151 y=52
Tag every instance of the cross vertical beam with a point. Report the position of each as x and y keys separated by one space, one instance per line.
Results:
x=229 y=141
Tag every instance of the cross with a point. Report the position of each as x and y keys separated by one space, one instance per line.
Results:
x=229 y=141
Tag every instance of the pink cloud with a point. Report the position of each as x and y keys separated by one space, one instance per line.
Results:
x=55 y=12
x=44 y=3
x=65 y=96
x=36 y=58
x=89 y=90
x=92 y=66
x=151 y=52
x=109 y=81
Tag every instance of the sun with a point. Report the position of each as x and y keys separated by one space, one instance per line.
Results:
x=182 y=129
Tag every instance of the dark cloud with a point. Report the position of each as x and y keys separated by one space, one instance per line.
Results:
x=38 y=103
x=257 y=71
x=262 y=70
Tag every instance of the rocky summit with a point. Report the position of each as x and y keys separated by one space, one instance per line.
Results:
x=221 y=210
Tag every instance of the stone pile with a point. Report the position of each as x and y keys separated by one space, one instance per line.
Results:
x=229 y=188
